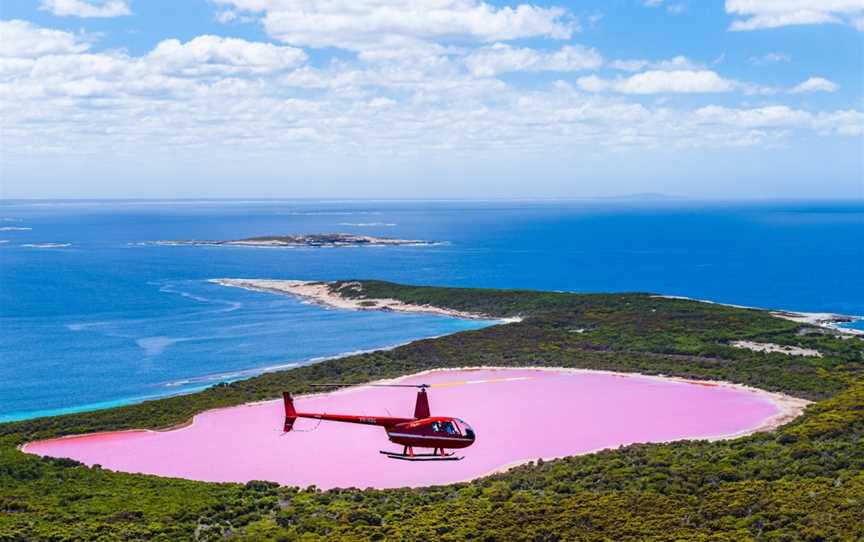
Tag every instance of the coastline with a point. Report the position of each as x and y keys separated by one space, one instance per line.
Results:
x=246 y=373
x=826 y=320
x=319 y=293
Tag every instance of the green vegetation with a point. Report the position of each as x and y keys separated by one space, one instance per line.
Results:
x=802 y=482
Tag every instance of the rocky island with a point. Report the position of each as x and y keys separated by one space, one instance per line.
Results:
x=306 y=240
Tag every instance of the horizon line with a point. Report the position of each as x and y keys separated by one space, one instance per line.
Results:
x=624 y=197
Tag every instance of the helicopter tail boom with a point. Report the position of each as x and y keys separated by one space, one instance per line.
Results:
x=291 y=416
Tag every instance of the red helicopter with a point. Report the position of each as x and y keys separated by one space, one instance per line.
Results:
x=422 y=431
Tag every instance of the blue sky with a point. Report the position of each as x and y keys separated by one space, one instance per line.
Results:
x=432 y=98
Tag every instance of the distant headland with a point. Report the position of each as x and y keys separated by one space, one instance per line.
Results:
x=306 y=240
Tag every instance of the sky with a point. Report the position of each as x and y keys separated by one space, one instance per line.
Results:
x=431 y=98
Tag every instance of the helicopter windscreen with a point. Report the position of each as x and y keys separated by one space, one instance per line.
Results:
x=465 y=429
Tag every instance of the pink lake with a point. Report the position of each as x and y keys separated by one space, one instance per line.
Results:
x=537 y=414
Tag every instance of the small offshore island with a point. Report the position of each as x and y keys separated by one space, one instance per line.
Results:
x=306 y=240
x=798 y=474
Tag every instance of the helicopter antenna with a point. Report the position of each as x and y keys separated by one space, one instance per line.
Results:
x=310 y=430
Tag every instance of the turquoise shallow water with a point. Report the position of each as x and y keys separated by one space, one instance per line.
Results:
x=857 y=324
x=110 y=319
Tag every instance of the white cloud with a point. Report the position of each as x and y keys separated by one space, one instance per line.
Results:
x=847 y=123
x=226 y=16
x=759 y=14
x=113 y=76
x=502 y=58
x=230 y=16
x=593 y=83
x=815 y=84
x=763 y=117
x=381 y=103
x=217 y=55
x=11 y=67
x=629 y=65
x=652 y=82
x=769 y=58
x=374 y=24
x=415 y=51
x=673 y=64
x=675 y=8
x=70 y=67
x=659 y=82
x=678 y=63
x=23 y=39
x=223 y=95
x=171 y=69
x=82 y=8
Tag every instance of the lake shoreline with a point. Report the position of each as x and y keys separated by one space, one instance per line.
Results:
x=786 y=408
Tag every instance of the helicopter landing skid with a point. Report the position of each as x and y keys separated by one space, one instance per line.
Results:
x=405 y=456
x=422 y=457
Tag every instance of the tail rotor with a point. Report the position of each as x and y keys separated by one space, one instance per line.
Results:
x=290 y=413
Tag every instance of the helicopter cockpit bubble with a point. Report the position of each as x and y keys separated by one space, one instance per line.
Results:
x=464 y=428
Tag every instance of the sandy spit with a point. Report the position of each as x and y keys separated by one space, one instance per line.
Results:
x=319 y=293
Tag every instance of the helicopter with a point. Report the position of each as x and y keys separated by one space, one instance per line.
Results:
x=440 y=433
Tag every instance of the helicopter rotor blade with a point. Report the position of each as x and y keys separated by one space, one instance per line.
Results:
x=483 y=381
x=342 y=384
x=423 y=386
x=401 y=385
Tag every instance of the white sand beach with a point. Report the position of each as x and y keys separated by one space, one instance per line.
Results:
x=322 y=294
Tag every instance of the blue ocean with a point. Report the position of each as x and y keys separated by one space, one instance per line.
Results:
x=93 y=315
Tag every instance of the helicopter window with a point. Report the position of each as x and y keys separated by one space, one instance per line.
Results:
x=444 y=427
